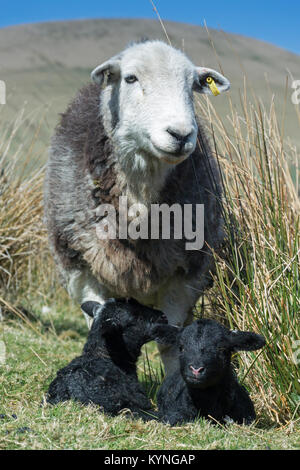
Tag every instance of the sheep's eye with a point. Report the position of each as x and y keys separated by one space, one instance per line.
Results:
x=131 y=79
x=181 y=348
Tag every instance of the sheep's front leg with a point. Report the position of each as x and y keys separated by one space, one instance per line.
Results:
x=177 y=302
x=83 y=286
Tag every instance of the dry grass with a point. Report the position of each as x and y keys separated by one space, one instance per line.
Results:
x=26 y=268
x=21 y=231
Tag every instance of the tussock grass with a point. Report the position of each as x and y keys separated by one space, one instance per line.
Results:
x=22 y=236
x=257 y=282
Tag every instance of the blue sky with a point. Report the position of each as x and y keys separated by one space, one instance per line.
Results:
x=276 y=21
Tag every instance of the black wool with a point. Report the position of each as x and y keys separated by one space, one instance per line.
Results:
x=105 y=374
x=205 y=385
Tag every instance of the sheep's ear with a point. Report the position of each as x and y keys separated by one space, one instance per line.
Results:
x=210 y=82
x=165 y=334
x=108 y=70
x=92 y=308
x=245 y=340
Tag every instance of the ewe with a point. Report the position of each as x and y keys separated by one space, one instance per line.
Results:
x=105 y=374
x=205 y=383
x=129 y=134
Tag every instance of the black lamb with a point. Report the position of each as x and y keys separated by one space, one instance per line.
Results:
x=105 y=374
x=205 y=384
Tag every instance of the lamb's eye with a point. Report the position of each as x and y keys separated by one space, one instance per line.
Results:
x=131 y=79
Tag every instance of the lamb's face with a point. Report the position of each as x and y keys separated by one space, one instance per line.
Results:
x=147 y=102
x=205 y=349
x=204 y=354
x=124 y=322
x=136 y=322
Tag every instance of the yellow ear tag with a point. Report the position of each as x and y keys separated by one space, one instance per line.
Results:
x=105 y=79
x=212 y=85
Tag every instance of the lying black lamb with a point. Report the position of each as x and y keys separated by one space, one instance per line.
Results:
x=105 y=374
x=205 y=383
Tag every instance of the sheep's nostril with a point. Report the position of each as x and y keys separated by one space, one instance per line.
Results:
x=198 y=371
x=181 y=137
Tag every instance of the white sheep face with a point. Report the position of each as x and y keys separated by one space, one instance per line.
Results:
x=147 y=100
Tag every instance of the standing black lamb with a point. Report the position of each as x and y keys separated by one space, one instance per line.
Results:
x=205 y=384
x=105 y=374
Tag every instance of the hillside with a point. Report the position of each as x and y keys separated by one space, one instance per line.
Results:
x=44 y=64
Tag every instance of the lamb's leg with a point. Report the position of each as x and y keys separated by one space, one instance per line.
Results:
x=82 y=286
x=177 y=302
x=242 y=409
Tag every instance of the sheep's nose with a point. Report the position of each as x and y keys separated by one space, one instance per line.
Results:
x=198 y=371
x=180 y=136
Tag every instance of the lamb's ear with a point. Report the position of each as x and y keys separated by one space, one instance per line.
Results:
x=245 y=340
x=165 y=334
x=110 y=69
x=209 y=81
x=92 y=308
x=103 y=313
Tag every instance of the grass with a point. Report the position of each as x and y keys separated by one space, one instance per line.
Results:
x=32 y=361
x=257 y=285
